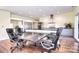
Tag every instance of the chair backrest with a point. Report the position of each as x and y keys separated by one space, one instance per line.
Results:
x=11 y=34
x=18 y=30
x=59 y=30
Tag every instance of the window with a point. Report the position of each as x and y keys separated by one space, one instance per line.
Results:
x=76 y=28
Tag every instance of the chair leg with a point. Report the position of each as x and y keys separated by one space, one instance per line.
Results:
x=12 y=49
x=49 y=51
x=20 y=46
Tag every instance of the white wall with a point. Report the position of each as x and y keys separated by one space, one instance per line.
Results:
x=60 y=19
x=4 y=23
x=76 y=10
x=64 y=18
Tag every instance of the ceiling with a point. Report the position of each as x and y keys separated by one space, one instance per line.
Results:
x=36 y=11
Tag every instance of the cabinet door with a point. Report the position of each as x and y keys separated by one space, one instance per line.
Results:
x=27 y=25
x=16 y=22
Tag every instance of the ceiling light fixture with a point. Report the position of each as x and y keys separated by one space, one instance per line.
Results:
x=51 y=16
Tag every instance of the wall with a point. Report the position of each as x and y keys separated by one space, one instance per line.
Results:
x=76 y=10
x=4 y=23
x=60 y=19
x=64 y=18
